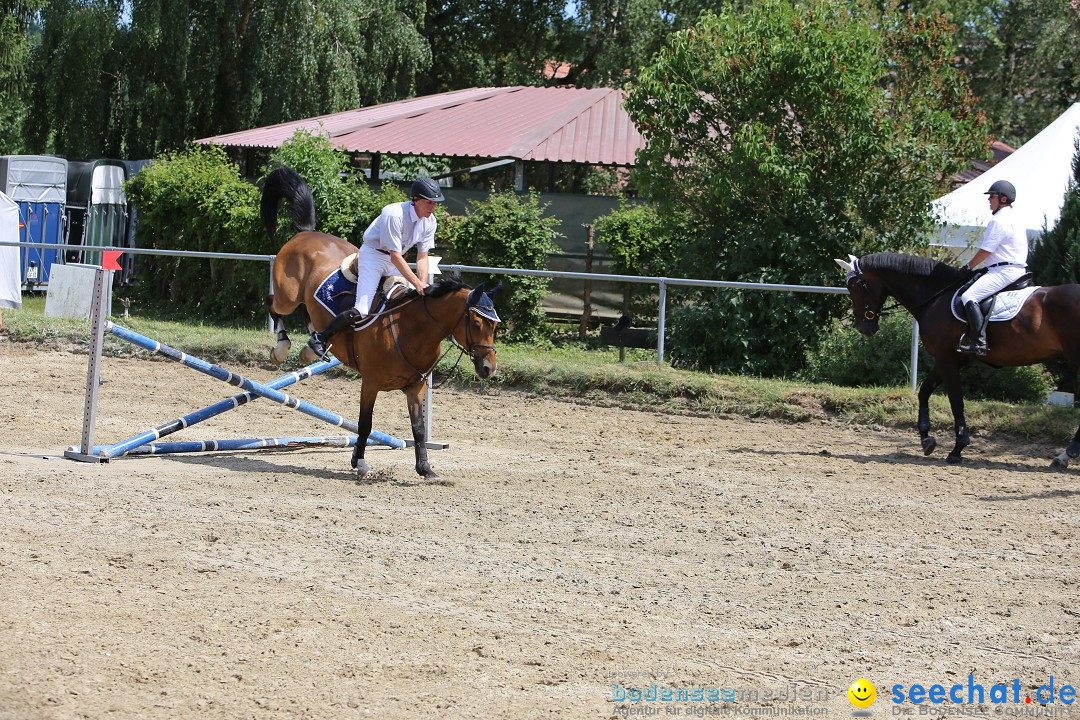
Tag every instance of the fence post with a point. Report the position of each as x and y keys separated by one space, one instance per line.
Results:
x=661 y=321
x=269 y=318
x=586 y=312
x=913 y=372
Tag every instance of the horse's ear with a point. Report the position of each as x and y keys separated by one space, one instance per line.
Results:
x=845 y=265
x=492 y=291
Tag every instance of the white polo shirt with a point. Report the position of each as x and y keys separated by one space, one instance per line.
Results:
x=1005 y=239
x=398 y=228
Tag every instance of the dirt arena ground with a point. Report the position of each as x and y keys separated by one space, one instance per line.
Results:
x=573 y=555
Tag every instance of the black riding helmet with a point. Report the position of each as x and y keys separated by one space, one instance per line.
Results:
x=426 y=188
x=1003 y=187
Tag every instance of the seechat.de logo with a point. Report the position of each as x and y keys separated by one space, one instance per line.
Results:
x=862 y=695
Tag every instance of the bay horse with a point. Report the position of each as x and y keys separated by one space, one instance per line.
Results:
x=401 y=348
x=1047 y=327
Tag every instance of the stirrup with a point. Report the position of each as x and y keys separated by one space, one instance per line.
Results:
x=972 y=348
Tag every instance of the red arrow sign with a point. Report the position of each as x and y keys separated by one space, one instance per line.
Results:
x=109 y=259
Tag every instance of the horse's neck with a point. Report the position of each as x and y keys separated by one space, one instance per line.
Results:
x=911 y=291
x=445 y=310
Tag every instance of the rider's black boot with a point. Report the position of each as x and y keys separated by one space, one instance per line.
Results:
x=976 y=332
x=342 y=320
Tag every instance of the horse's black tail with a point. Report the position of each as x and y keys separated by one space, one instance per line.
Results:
x=286 y=184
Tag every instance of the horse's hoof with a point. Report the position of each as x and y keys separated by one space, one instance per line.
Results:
x=1061 y=462
x=307 y=356
x=954 y=459
x=929 y=444
x=279 y=353
x=362 y=468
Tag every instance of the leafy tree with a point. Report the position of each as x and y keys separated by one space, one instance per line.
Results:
x=788 y=134
x=484 y=43
x=1022 y=62
x=1055 y=258
x=508 y=230
x=317 y=58
x=640 y=242
x=15 y=47
x=637 y=239
x=338 y=203
x=78 y=81
x=610 y=39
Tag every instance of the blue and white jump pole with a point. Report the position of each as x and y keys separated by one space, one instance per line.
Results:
x=143 y=442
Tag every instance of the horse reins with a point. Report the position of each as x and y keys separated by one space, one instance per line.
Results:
x=870 y=314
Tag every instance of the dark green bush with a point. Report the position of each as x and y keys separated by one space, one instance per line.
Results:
x=195 y=199
x=509 y=230
x=640 y=243
x=843 y=356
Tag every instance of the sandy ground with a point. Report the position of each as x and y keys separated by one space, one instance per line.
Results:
x=573 y=554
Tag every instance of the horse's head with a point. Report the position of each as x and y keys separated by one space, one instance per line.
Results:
x=867 y=295
x=477 y=333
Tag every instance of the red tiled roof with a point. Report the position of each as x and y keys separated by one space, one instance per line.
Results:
x=574 y=125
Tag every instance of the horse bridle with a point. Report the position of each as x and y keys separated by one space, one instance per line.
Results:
x=471 y=350
x=868 y=312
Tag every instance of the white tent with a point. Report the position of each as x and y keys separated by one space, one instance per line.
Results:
x=1040 y=169
x=10 y=277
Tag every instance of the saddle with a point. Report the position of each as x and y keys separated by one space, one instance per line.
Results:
x=337 y=292
x=1024 y=282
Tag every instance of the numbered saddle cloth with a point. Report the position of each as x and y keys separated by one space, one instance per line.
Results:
x=1006 y=304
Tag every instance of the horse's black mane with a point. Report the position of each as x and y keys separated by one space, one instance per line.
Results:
x=444 y=286
x=909 y=265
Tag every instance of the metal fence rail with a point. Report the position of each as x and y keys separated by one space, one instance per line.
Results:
x=661 y=282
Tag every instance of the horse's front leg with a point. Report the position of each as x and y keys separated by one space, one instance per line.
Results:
x=363 y=423
x=415 y=395
x=1071 y=453
x=925 y=391
x=950 y=374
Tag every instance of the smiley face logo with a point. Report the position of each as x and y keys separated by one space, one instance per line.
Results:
x=862 y=693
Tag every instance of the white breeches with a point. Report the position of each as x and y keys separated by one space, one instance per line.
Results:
x=991 y=282
x=371 y=267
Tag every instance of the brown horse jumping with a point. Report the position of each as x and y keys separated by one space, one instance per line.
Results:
x=401 y=348
x=1047 y=327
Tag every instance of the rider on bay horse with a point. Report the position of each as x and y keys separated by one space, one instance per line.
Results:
x=398 y=228
x=1004 y=248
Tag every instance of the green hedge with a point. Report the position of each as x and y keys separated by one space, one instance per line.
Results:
x=510 y=231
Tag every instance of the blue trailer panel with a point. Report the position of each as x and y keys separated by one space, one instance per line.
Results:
x=38 y=185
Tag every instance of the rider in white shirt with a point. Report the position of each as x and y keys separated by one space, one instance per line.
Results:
x=1004 y=249
x=399 y=227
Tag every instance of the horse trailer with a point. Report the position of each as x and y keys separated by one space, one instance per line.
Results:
x=38 y=186
x=97 y=210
